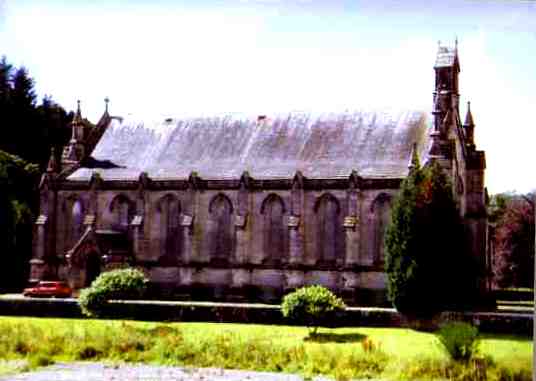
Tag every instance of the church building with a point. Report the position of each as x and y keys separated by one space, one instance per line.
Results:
x=237 y=207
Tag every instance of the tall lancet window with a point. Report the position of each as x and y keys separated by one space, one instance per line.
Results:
x=78 y=220
x=380 y=217
x=221 y=228
x=168 y=212
x=275 y=232
x=73 y=218
x=329 y=239
x=122 y=209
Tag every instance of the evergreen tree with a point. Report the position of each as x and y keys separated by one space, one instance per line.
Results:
x=426 y=263
x=27 y=132
x=17 y=188
x=23 y=92
x=5 y=82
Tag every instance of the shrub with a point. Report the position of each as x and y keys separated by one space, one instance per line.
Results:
x=116 y=284
x=425 y=244
x=459 y=339
x=370 y=346
x=39 y=360
x=311 y=306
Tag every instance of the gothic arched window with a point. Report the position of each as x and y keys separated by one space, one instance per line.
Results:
x=275 y=232
x=169 y=209
x=73 y=217
x=328 y=224
x=122 y=209
x=78 y=220
x=221 y=228
x=381 y=215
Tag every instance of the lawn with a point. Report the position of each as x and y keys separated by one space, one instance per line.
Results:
x=344 y=353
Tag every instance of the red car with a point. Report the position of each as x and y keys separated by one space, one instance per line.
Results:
x=50 y=289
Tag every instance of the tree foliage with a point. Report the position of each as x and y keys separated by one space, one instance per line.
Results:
x=425 y=247
x=27 y=132
x=28 y=129
x=17 y=185
x=513 y=262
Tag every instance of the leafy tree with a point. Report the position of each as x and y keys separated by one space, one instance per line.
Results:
x=513 y=261
x=27 y=132
x=17 y=179
x=425 y=246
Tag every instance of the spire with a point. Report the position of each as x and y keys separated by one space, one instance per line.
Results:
x=469 y=116
x=469 y=126
x=414 y=159
x=74 y=151
x=52 y=166
x=106 y=101
x=78 y=116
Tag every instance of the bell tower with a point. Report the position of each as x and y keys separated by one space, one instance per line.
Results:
x=445 y=105
x=446 y=94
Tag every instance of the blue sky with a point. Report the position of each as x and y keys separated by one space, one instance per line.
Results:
x=162 y=58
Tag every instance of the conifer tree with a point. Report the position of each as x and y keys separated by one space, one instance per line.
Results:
x=27 y=132
x=5 y=78
x=426 y=262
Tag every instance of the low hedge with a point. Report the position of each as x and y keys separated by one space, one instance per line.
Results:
x=511 y=323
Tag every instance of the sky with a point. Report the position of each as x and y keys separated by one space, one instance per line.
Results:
x=166 y=58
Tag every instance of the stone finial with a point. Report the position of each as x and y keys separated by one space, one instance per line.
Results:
x=52 y=166
x=106 y=101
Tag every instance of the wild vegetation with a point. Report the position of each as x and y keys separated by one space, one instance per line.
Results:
x=512 y=215
x=341 y=353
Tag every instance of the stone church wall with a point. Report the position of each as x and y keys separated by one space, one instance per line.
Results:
x=224 y=242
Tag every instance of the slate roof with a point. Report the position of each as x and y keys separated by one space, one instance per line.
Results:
x=325 y=146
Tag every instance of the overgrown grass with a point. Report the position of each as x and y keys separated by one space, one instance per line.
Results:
x=343 y=353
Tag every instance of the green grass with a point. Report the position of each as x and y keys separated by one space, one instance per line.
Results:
x=343 y=353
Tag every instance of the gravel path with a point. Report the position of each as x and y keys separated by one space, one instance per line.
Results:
x=87 y=371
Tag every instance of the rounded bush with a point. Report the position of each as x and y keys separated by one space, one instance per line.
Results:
x=459 y=340
x=116 y=284
x=311 y=306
